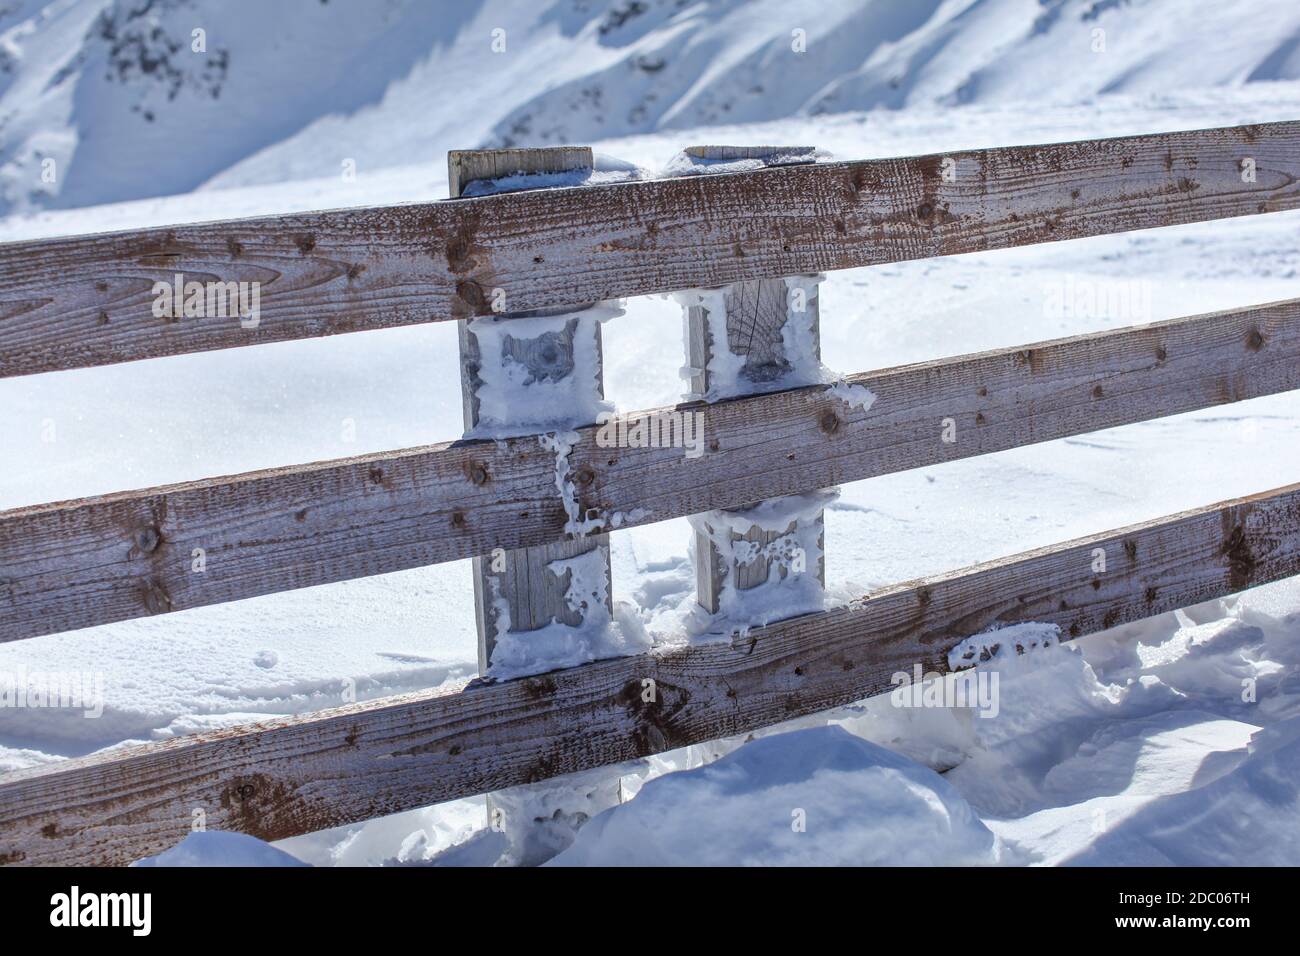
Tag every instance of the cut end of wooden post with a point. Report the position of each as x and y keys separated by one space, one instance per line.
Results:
x=464 y=166
x=784 y=154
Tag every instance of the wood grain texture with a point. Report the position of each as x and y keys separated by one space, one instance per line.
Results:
x=713 y=568
x=756 y=314
x=293 y=775
x=723 y=153
x=73 y=302
x=535 y=594
x=109 y=558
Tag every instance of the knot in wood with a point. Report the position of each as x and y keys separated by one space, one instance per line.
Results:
x=147 y=539
x=155 y=597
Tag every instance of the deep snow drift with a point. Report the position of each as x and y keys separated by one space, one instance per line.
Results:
x=818 y=796
x=221 y=849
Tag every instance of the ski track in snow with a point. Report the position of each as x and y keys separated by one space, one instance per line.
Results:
x=1107 y=751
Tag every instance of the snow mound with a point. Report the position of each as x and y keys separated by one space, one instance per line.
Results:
x=1245 y=816
x=818 y=797
x=221 y=848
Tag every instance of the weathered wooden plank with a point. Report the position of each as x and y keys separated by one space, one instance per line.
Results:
x=78 y=563
x=297 y=774
x=73 y=302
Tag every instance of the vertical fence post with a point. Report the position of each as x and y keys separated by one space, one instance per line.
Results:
x=557 y=354
x=515 y=590
x=740 y=339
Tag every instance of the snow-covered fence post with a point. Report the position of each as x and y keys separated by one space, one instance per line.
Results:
x=740 y=339
x=522 y=373
x=555 y=354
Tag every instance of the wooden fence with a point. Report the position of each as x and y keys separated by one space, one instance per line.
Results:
x=84 y=301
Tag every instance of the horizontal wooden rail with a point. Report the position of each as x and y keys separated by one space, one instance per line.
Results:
x=75 y=564
x=297 y=774
x=88 y=300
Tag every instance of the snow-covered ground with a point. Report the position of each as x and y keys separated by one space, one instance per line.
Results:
x=1131 y=746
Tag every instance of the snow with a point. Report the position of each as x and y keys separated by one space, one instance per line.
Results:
x=799 y=335
x=578 y=524
x=688 y=164
x=1135 y=745
x=854 y=396
x=785 y=593
x=1018 y=638
x=817 y=797
x=218 y=848
x=539 y=820
x=1123 y=748
x=515 y=399
x=1247 y=815
x=115 y=93
x=557 y=645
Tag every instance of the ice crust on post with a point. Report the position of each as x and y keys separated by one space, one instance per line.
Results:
x=601 y=633
x=538 y=372
x=770 y=563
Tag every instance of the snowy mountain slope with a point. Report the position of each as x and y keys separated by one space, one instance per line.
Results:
x=115 y=94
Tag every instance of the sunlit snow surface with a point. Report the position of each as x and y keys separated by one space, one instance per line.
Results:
x=1131 y=746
